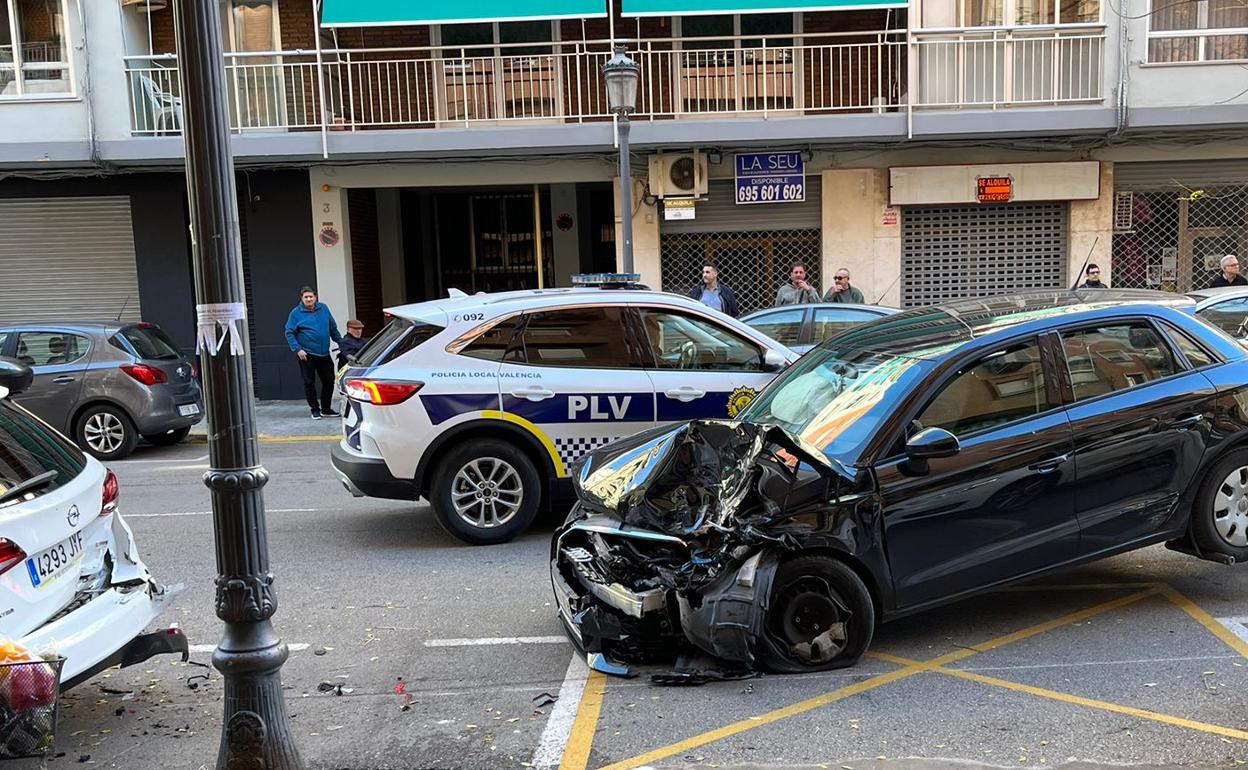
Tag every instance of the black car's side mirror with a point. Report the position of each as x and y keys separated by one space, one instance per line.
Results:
x=929 y=444
x=15 y=376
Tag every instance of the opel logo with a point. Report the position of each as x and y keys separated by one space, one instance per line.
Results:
x=72 y=516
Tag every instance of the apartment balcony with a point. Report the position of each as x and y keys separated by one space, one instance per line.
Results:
x=560 y=83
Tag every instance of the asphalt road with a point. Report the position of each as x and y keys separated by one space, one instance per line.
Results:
x=1134 y=660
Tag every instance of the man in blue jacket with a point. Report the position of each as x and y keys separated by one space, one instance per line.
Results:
x=309 y=329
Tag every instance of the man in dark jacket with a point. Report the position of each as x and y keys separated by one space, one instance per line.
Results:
x=351 y=343
x=1092 y=278
x=1230 y=273
x=714 y=294
x=309 y=329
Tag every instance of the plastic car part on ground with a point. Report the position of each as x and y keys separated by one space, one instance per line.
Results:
x=701 y=513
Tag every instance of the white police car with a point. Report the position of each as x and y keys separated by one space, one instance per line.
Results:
x=481 y=404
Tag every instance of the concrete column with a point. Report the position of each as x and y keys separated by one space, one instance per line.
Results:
x=860 y=234
x=567 y=243
x=1092 y=222
x=645 y=238
x=390 y=246
x=331 y=236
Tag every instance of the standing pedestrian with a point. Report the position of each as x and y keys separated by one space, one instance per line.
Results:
x=352 y=343
x=309 y=329
x=714 y=294
x=1092 y=278
x=796 y=291
x=841 y=291
x=1230 y=273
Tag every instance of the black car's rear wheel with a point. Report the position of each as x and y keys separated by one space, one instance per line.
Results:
x=170 y=438
x=820 y=617
x=106 y=432
x=1220 y=518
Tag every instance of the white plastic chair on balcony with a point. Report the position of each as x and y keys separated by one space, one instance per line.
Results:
x=164 y=110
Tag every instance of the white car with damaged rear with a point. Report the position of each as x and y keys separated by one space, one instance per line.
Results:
x=71 y=580
x=482 y=404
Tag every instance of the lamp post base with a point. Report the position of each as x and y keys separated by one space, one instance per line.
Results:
x=256 y=734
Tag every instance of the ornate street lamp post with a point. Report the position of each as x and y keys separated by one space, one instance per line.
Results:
x=255 y=728
x=622 y=74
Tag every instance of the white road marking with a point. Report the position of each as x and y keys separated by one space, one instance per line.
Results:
x=1237 y=626
x=209 y=513
x=497 y=640
x=554 y=739
x=171 y=460
x=203 y=467
x=293 y=647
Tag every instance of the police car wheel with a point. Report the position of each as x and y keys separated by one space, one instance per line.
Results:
x=486 y=492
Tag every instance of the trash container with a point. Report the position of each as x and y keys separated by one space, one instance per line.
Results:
x=28 y=699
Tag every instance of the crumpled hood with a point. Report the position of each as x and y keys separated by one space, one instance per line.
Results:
x=703 y=476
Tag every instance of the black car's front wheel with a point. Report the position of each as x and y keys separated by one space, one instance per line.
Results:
x=1220 y=518
x=106 y=432
x=820 y=617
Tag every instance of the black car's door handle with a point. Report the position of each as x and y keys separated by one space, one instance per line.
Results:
x=63 y=380
x=1049 y=465
x=1183 y=423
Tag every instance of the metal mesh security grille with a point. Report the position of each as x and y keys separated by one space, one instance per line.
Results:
x=954 y=252
x=1174 y=238
x=754 y=264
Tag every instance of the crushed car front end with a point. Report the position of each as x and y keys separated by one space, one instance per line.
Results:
x=677 y=536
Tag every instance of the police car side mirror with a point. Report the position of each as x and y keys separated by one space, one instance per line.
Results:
x=773 y=361
x=15 y=376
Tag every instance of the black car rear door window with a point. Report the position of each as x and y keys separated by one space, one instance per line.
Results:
x=1115 y=357
x=1004 y=386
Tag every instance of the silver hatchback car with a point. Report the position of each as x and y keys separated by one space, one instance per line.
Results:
x=106 y=384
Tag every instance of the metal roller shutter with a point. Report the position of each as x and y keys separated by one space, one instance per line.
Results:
x=68 y=259
x=753 y=246
x=955 y=252
x=1176 y=175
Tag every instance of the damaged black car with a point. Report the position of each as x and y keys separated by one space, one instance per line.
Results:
x=907 y=463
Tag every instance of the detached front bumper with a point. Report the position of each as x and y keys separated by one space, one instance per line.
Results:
x=641 y=618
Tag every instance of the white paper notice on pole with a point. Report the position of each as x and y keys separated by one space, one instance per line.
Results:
x=678 y=208
x=224 y=316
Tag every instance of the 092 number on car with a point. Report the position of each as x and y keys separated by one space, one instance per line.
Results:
x=48 y=563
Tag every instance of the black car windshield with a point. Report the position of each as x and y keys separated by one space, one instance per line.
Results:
x=836 y=396
x=34 y=459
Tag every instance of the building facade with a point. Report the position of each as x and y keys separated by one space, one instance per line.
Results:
x=936 y=148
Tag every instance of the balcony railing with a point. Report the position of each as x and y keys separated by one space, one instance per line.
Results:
x=561 y=82
x=1009 y=67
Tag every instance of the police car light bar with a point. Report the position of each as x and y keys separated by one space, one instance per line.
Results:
x=606 y=280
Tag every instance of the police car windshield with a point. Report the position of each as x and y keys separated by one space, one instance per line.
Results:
x=835 y=397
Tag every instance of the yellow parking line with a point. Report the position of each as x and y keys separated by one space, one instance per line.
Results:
x=765 y=719
x=581 y=739
x=1205 y=619
x=1078 y=700
x=910 y=669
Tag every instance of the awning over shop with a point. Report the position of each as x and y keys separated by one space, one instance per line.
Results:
x=382 y=13
x=704 y=7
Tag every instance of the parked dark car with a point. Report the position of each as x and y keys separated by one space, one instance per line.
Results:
x=907 y=463
x=107 y=384
x=801 y=327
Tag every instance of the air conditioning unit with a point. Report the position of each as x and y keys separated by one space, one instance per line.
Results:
x=678 y=175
